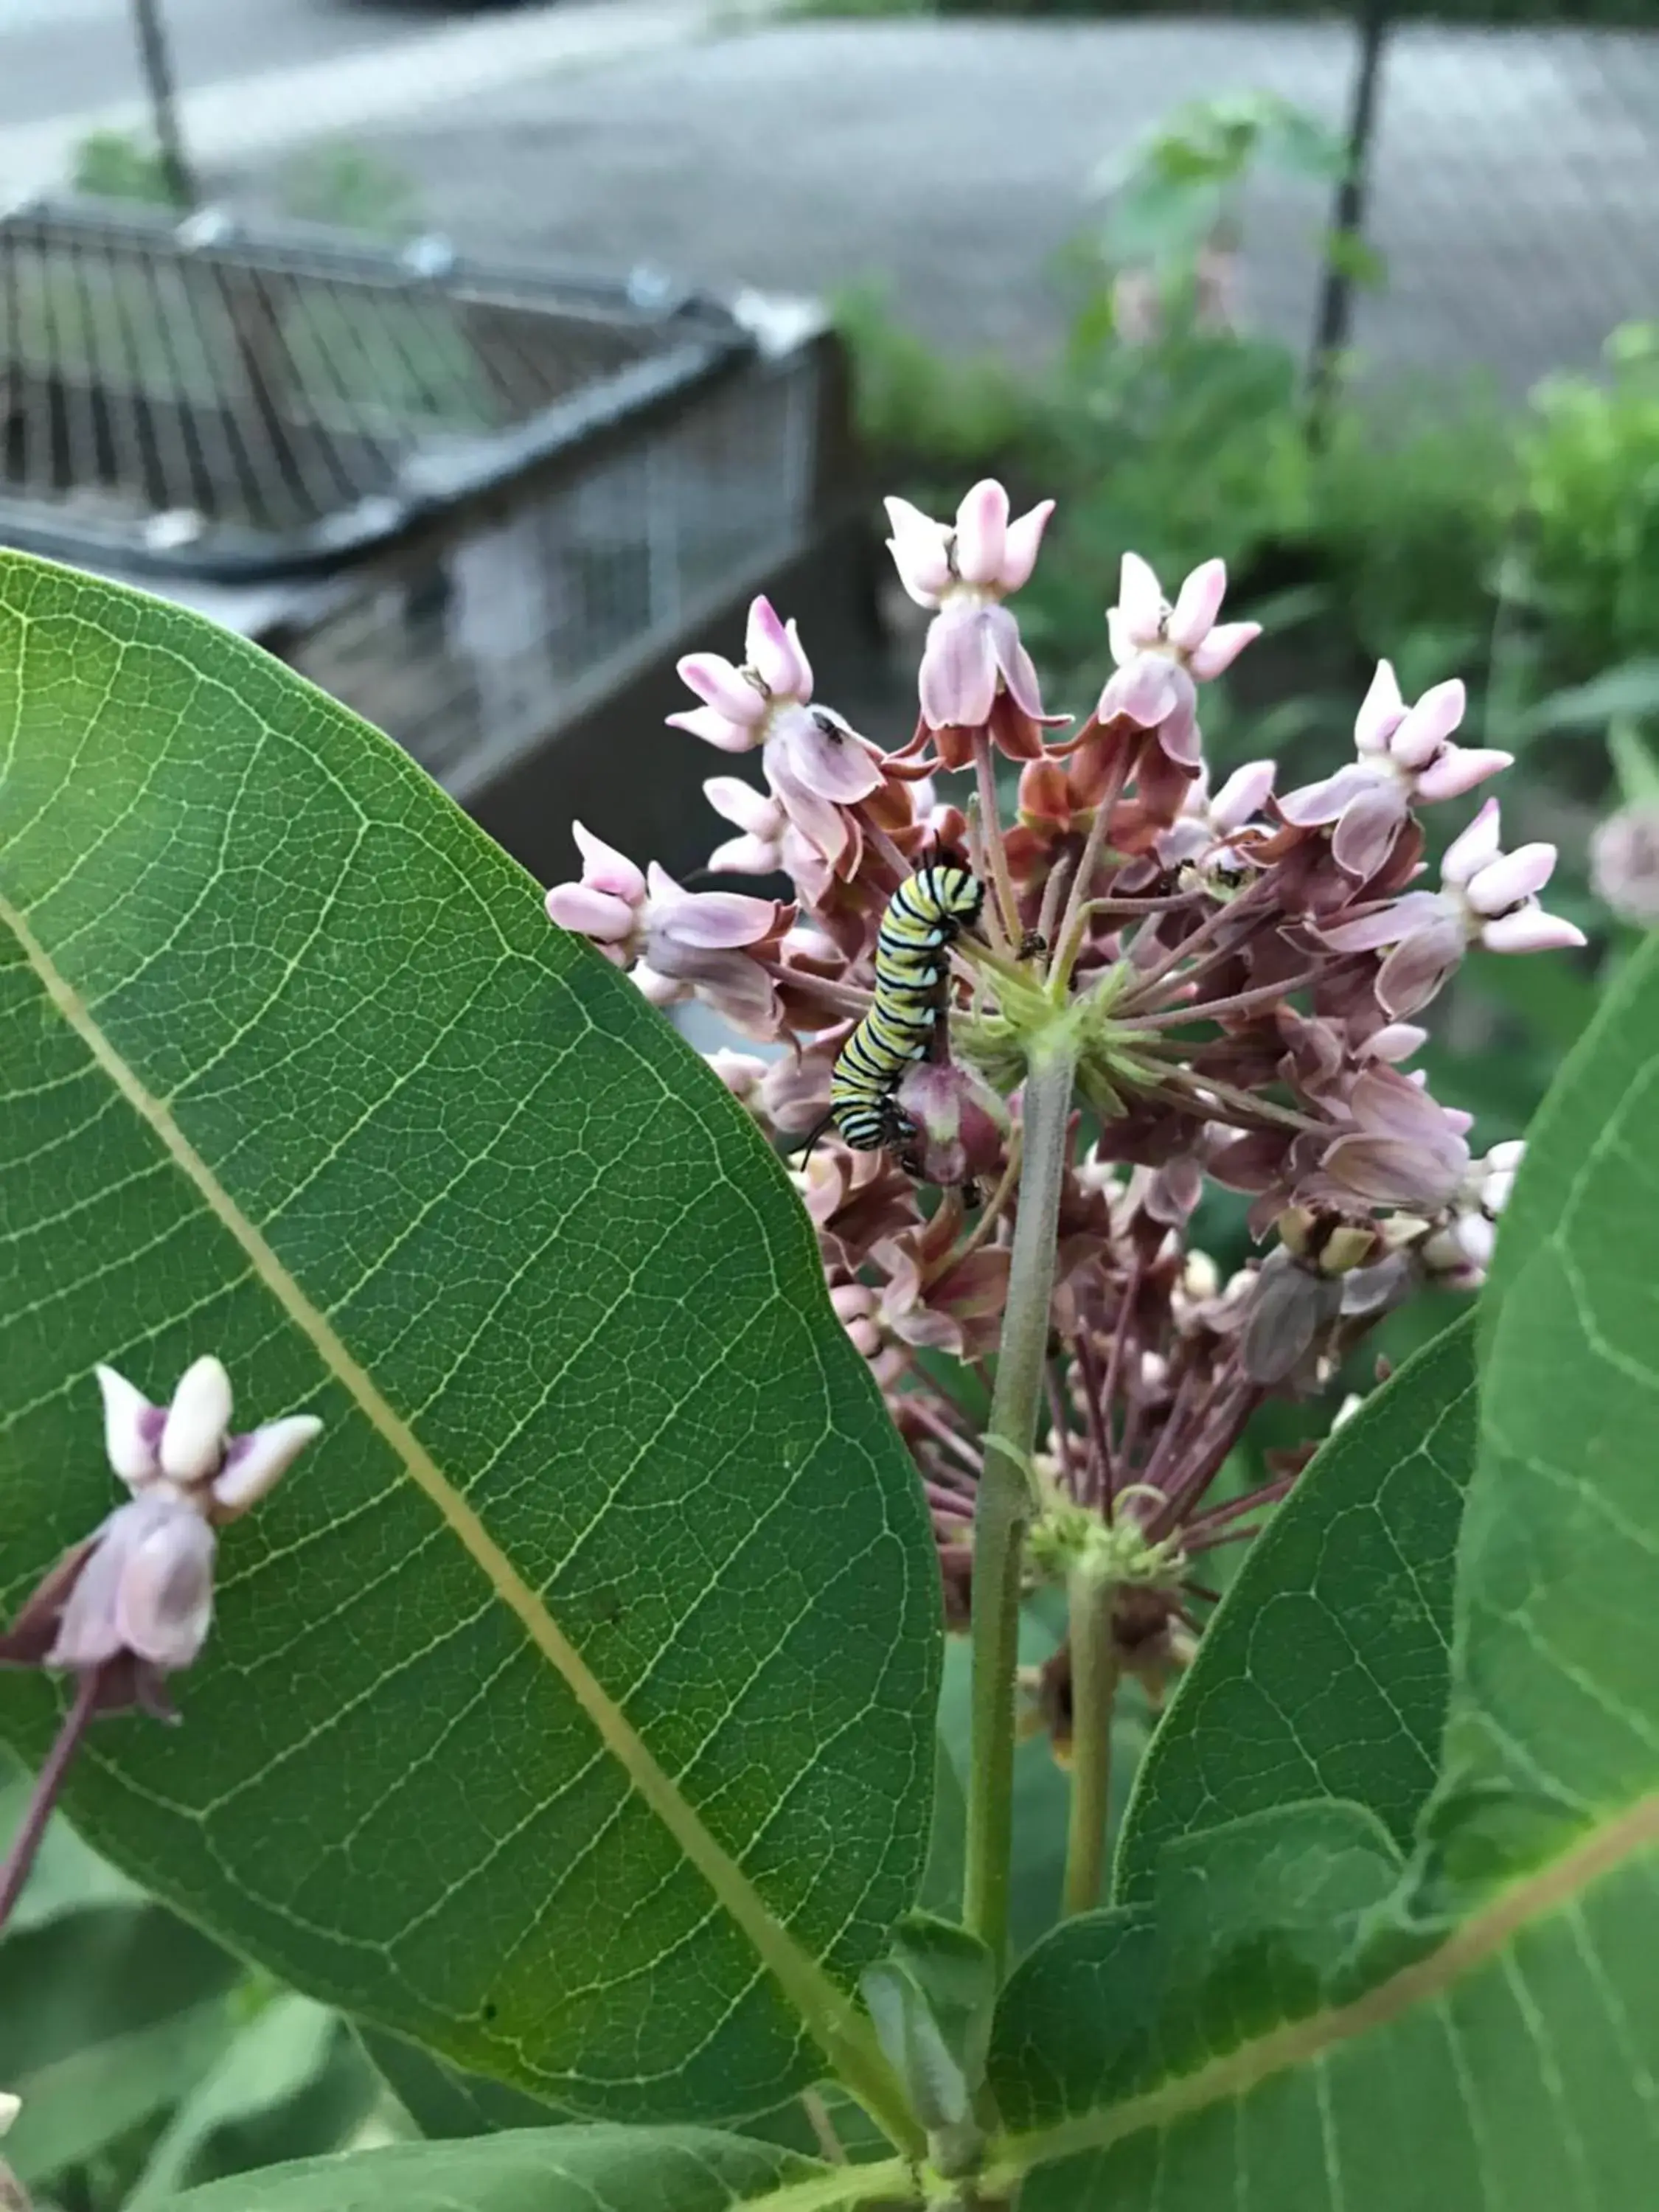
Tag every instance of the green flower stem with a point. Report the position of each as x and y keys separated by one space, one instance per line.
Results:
x=1003 y=1511
x=1094 y=1694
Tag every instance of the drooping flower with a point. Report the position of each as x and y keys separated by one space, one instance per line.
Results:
x=678 y=943
x=1458 y=1248
x=1164 y=652
x=973 y=658
x=133 y=1603
x=1488 y=897
x=1406 y=756
x=1403 y=1149
x=712 y=946
x=960 y=1125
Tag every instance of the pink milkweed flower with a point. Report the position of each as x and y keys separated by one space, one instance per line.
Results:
x=1488 y=897
x=1164 y=652
x=711 y=945
x=133 y=1604
x=1404 y=1149
x=1405 y=754
x=973 y=656
x=608 y=905
x=770 y=844
x=814 y=761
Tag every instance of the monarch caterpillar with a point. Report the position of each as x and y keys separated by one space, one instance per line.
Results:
x=923 y=915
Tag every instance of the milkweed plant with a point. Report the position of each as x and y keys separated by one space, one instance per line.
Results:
x=633 y=1435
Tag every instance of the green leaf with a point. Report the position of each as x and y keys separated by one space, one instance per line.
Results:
x=608 y=1593
x=583 y=2169
x=106 y=2017
x=932 y=1999
x=1326 y=1668
x=1485 y=2037
x=292 y=2081
x=446 y=2103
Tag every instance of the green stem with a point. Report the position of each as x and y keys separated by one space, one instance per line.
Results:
x=1094 y=1693
x=1003 y=1509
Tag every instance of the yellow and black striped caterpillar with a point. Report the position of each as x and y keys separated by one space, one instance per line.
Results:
x=912 y=964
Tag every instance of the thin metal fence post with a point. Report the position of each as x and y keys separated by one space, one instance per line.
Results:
x=156 y=60
x=1372 y=21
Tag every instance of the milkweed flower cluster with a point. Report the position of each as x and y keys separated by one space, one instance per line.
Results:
x=1240 y=967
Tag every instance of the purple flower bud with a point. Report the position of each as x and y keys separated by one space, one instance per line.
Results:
x=1164 y=652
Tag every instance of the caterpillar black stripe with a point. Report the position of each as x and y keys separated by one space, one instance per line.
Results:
x=912 y=964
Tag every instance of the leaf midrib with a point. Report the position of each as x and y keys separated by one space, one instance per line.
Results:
x=1478 y=1939
x=844 y=2037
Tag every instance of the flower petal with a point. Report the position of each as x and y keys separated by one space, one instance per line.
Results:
x=1144 y=688
x=774 y=652
x=1218 y=651
x=1531 y=930
x=719 y=684
x=605 y=869
x=1367 y=933
x=1244 y=795
x=199 y=1420
x=1511 y=877
x=599 y=914
x=1363 y=837
x=255 y=1463
x=1312 y=805
x=824 y=755
x=1197 y=604
x=1380 y=711
x=957 y=679
x=982 y=532
x=1019 y=551
x=164 y=1598
x=1458 y=769
x=715 y=729
x=739 y=802
x=1427 y=725
x=1139 y=601
x=1473 y=848
x=922 y=552
x=1414 y=971
x=132 y=1429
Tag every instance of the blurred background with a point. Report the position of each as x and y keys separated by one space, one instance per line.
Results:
x=480 y=360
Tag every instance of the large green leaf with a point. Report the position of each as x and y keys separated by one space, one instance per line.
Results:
x=1326 y=1668
x=571 y=1707
x=1487 y=2037
x=580 y=2169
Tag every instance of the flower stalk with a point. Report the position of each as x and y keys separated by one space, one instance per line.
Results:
x=1094 y=1699
x=1005 y=1503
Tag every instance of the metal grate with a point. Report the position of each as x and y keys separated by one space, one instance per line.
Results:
x=472 y=653
x=188 y=399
